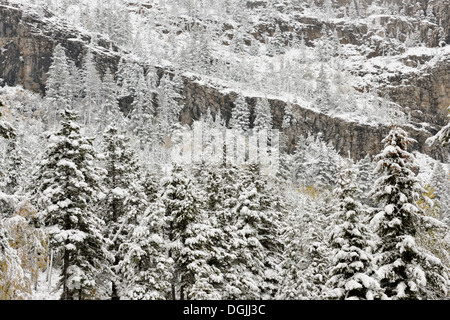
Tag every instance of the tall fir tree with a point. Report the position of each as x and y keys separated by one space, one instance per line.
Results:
x=257 y=214
x=145 y=268
x=352 y=269
x=187 y=232
x=124 y=196
x=58 y=91
x=405 y=270
x=440 y=180
x=66 y=189
x=263 y=115
x=240 y=115
x=92 y=87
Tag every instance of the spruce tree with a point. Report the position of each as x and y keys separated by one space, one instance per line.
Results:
x=405 y=270
x=440 y=180
x=124 y=196
x=288 y=117
x=352 y=265
x=92 y=87
x=13 y=168
x=187 y=231
x=263 y=116
x=7 y=201
x=142 y=113
x=145 y=268
x=257 y=215
x=6 y=130
x=307 y=253
x=58 y=90
x=240 y=116
x=365 y=178
x=443 y=135
x=323 y=99
x=65 y=189
x=220 y=196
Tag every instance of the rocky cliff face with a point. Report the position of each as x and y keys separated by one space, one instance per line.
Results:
x=27 y=44
x=347 y=137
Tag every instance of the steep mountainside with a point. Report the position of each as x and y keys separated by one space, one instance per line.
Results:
x=390 y=59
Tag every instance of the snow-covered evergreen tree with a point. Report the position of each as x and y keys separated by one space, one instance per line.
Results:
x=352 y=265
x=405 y=270
x=315 y=162
x=109 y=108
x=142 y=113
x=58 y=89
x=145 y=267
x=323 y=99
x=65 y=190
x=169 y=107
x=124 y=196
x=240 y=115
x=258 y=211
x=7 y=131
x=443 y=135
x=92 y=87
x=288 y=117
x=307 y=253
x=263 y=115
x=187 y=232
x=12 y=178
x=440 y=180
x=7 y=200
x=365 y=178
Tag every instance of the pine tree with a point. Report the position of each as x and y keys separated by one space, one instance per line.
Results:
x=145 y=267
x=352 y=265
x=441 y=183
x=65 y=189
x=257 y=214
x=288 y=117
x=323 y=99
x=219 y=197
x=187 y=232
x=109 y=110
x=142 y=112
x=11 y=179
x=92 y=87
x=240 y=116
x=307 y=254
x=7 y=201
x=365 y=178
x=443 y=135
x=315 y=162
x=263 y=115
x=127 y=78
x=169 y=107
x=405 y=270
x=58 y=91
x=124 y=198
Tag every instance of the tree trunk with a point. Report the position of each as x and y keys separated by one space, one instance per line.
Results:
x=65 y=293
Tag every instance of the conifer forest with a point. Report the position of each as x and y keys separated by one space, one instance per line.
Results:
x=224 y=150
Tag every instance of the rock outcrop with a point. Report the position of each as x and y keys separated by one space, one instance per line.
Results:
x=346 y=137
x=27 y=43
x=26 y=47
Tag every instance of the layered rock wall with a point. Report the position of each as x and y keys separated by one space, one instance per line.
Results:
x=27 y=45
